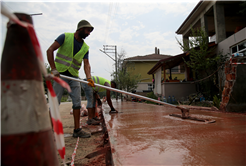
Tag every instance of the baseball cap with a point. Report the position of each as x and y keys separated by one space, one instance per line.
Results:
x=84 y=23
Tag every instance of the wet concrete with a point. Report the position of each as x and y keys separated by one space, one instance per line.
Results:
x=145 y=134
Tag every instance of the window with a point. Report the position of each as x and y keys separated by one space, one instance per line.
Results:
x=179 y=69
x=182 y=68
x=175 y=69
x=239 y=48
x=150 y=87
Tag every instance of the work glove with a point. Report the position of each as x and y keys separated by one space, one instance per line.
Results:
x=55 y=73
x=90 y=82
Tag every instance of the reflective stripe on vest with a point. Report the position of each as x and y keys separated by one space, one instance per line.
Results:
x=65 y=60
x=97 y=82
x=100 y=81
x=67 y=64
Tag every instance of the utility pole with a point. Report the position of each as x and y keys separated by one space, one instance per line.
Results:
x=112 y=49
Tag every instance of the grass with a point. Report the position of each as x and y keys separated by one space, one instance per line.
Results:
x=64 y=98
x=199 y=103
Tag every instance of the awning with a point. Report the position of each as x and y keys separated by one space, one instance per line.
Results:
x=173 y=61
x=169 y=62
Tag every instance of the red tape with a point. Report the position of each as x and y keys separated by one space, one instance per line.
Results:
x=74 y=152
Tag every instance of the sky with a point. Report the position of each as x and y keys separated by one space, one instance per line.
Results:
x=133 y=27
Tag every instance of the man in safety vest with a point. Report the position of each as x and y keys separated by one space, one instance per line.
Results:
x=72 y=50
x=91 y=98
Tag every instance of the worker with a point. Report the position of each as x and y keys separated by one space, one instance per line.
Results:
x=91 y=94
x=72 y=50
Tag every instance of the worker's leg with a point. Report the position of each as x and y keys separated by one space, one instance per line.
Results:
x=59 y=92
x=76 y=117
x=91 y=113
x=76 y=99
x=90 y=104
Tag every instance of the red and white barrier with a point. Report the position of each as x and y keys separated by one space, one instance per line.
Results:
x=74 y=152
x=26 y=127
x=56 y=121
x=26 y=135
x=238 y=63
x=77 y=144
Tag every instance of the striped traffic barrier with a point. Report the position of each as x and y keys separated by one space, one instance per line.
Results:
x=26 y=134
x=74 y=152
x=54 y=109
x=77 y=144
x=238 y=63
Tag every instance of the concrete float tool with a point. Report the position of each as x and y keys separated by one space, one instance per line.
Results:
x=184 y=110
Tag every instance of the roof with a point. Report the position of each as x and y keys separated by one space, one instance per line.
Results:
x=189 y=16
x=151 y=57
x=174 y=60
x=169 y=62
x=206 y=8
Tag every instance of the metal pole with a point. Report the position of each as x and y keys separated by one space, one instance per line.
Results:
x=116 y=69
x=36 y=14
x=120 y=91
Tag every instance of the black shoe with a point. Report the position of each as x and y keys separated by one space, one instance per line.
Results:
x=112 y=112
x=96 y=119
x=93 y=122
x=80 y=133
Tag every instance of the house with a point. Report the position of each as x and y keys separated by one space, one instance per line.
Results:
x=141 y=65
x=225 y=24
x=180 y=89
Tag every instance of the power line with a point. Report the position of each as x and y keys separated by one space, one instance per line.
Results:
x=108 y=20
x=111 y=13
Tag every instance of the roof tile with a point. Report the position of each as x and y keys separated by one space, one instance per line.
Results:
x=149 y=57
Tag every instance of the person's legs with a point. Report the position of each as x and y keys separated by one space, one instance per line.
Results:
x=90 y=104
x=76 y=99
x=76 y=117
x=59 y=90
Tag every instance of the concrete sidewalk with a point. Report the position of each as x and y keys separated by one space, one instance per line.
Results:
x=145 y=134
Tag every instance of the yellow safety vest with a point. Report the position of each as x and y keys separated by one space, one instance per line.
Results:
x=101 y=81
x=64 y=58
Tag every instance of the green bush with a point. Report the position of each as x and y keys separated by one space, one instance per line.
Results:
x=152 y=96
x=64 y=99
x=216 y=102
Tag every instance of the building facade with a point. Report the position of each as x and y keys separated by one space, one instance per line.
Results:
x=141 y=65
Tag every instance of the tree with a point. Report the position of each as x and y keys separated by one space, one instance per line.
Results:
x=203 y=61
x=242 y=8
x=124 y=79
x=127 y=81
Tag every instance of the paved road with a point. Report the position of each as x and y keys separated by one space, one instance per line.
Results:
x=145 y=134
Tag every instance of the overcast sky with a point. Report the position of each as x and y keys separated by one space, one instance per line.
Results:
x=137 y=28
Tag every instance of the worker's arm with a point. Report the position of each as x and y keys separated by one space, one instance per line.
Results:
x=50 y=54
x=87 y=68
x=109 y=98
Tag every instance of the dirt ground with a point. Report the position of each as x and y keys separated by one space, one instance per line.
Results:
x=85 y=145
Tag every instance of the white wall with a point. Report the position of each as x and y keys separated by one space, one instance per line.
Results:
x=158 y=81
x=180 y=90
x=224 y=46
x=142 y=86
